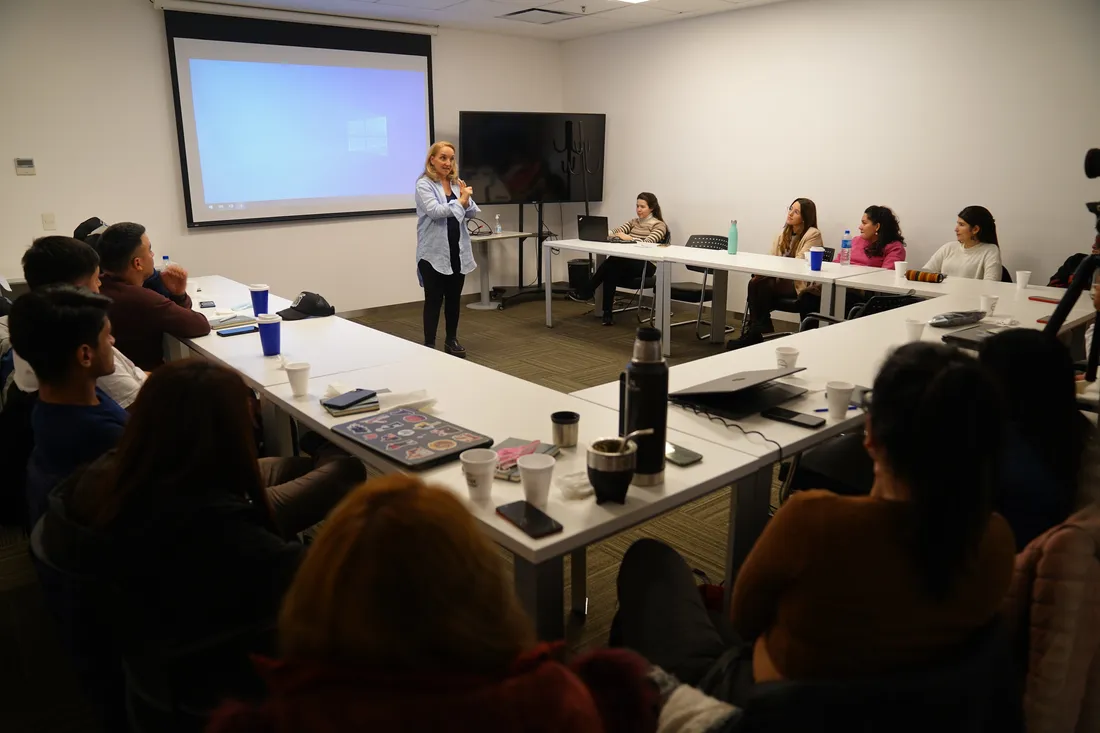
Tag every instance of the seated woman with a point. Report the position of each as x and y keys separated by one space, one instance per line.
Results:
x=1042 y=480
x=976 y=254
x=924 y=551
x=798 y=235
x=648 y=227
x=880 y=244
x=402 y=618
x=193 y=534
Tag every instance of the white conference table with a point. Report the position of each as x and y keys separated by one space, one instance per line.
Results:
x=887 y=281
x=330 y=345
x=473 y=396
x=480 y=244
x=832 y=277
x=653 y=253
x=502 y=407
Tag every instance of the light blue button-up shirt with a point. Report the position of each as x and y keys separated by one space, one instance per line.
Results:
x=432 y=212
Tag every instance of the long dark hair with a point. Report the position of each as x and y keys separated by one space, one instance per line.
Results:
x=190 y=433
x=928 y=398
x=654 y=206
x=889 y=229
x=979 y=216
x=1036 y=373
x=808 y=208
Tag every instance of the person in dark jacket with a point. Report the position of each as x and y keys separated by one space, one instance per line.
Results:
x=1064 y=276
x=403 y=619
x=182 y=533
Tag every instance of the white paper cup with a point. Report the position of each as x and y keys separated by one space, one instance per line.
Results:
x=988 y=304
x=536 y=470
x=900 y=268
x=839 y=397
x=786 y=357
x=298 y=373
x=914 y=329
x=1023 y=277
x=479 y=465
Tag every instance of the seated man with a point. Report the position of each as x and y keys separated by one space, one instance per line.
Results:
x=59 y=260
x=64 y=334
x=141 y=317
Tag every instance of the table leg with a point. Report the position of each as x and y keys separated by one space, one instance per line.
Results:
x=718 y=307
x=541 y=590
x=750 y=502
x=827 y=298
x=661 y=302
x=278 y=439
x=840 y=298
x=548 y=287
x=481 y=256
x=578 y=587
x=598 y=293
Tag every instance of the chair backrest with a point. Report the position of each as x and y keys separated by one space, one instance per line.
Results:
x=707 y=241
x=957 y=694
x=1005 y=277
x=830 y=253
x=883 y=303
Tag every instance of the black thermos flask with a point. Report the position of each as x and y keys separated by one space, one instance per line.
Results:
x=643 y=403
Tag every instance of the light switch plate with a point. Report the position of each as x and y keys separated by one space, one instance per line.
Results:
x=24 y=166
x=49 y=223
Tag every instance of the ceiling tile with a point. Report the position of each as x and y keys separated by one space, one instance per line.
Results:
x=590 y=7
x=692 y=6
x=641 y=14
x=418 y=4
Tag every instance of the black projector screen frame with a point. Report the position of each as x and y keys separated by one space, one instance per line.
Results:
x=199 y=28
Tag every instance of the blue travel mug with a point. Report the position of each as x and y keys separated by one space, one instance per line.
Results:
x=817 y=256
x=270 y=326
x=259 y=299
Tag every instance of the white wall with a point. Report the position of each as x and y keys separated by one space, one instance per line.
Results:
x=86 y=92
x=925 y=106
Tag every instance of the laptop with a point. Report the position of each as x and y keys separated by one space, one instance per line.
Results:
x=971 y=338
x=592 y=228
x=740 y=395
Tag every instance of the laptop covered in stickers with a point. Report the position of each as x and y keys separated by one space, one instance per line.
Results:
x=412 y=439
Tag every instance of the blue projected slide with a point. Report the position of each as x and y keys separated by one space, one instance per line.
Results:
x=276 y=131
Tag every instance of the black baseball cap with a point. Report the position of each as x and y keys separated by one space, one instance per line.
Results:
x=307 y=305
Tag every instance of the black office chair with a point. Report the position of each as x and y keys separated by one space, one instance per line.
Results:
x=692 y=292
x=962 y=694
x=1005 y=277
x=647 y=281
x=876 y=304
x=803 y=304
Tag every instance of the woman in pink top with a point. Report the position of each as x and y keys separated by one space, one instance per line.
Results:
x=880 y=242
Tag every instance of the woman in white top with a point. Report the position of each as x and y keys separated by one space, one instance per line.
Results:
x=976 y=255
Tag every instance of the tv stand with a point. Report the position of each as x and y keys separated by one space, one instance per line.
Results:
x=506 y=295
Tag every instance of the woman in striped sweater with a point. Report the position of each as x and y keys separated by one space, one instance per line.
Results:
x=648 y=227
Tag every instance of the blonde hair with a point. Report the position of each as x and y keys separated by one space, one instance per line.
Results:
x=401 y=577
x=434 y=151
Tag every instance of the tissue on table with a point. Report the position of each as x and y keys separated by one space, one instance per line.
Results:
x=415 y=400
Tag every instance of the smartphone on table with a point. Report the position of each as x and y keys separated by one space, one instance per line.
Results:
x=528 y=517
x=238 y=330
x=349 y=399
x=801 y=419
x=680 y=456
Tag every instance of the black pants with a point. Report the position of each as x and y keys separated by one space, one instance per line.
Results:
x=614 y=272
x=662 y=617
x=440 y=290
x=764 y=292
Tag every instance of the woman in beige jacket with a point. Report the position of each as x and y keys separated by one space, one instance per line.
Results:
x=799 y=234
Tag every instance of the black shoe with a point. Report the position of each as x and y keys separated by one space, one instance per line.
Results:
x=454 y=348
x=608 y=319
x=750 y=338
x=577 y=296
x=430 y=344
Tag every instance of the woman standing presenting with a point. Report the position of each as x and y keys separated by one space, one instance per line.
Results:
x=443 y=253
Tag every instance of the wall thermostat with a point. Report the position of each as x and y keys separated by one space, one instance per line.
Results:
x=24 y=166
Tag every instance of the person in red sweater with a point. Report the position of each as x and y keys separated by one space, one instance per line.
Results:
x=140 y=316
x=401 y=618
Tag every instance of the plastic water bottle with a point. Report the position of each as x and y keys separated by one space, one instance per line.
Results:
x=732 y=246
x=844 y=257
x=498 y=229
x=164 y=262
